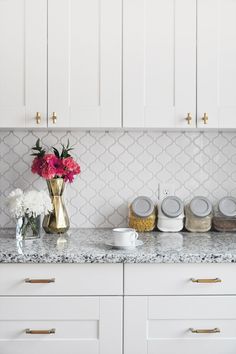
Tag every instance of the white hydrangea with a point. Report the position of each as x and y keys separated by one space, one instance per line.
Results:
x=32 y=203
x=14 y=203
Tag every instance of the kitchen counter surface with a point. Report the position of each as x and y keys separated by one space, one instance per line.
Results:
x=88 y=246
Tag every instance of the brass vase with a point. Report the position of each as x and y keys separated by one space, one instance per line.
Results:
x=57 y=222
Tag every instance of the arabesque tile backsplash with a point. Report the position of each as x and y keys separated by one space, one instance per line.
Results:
x=117 y=166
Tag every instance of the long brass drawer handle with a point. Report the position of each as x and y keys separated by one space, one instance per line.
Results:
x=40 y=331
x=40 y=281
x=205 y=331
x=209 y=281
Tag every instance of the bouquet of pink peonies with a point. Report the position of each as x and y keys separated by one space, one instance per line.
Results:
x=55 y=165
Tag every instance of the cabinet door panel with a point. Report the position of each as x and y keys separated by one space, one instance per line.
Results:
x=23 y=62
x=159 y=63
x=85 y=62
x=217 y=63
x=158 y=324
x=88 y=325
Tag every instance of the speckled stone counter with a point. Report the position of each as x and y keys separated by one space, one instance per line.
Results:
x=89 y=246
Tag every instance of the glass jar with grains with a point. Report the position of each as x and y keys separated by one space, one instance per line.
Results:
x=198 y=215
x=142 y=214
x=170 y=216
x=225 y=216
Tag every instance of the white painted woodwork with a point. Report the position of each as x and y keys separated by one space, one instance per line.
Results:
x=216 y=63
x=160 y=324
x=23 y=63
x=88 y=325
x=159 y=63
x=70 y=279
x=175 y=279
x=84 y=62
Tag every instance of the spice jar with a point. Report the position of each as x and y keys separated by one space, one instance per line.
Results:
x=198 y=215
x=142 y=214
x=170 y=216
x=225 y=216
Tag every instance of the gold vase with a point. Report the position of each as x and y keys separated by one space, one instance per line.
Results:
x=57 y=222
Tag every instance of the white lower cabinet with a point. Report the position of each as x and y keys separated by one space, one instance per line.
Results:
x=86 y=325
x=170 y=324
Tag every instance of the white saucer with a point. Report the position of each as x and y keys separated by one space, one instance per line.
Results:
x=137 y=244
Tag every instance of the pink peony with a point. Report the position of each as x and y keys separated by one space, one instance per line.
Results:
x=69 y=163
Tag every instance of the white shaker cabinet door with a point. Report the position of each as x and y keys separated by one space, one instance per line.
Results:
x=159 y=63
x=23 y=63
x=217 y=63
x=170 y=325
x=84 y=63
x=73 y=325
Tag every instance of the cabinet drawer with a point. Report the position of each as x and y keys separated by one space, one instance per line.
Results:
x=88 y=325
x=170 y=324
x=180 y=279
x=63 y=279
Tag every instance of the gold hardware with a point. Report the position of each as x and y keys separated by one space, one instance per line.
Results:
x=189 y=118
x=54 y=117
x=38 y=118
x=205 y=118
x=215 y=280
x=39 y=281
x=40 y=331
x=205 y=331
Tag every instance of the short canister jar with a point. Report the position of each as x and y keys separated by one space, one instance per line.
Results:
x=142 y=214
x=170 y=215
x=198 y=215
x=224 y=219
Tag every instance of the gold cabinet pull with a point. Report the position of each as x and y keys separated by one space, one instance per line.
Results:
x=39 y=281
x=38 y=118
x=205 y=331
x=209 y=281
x=40 y=331
x=54 y=117
x=205 y=118
x=189 y=118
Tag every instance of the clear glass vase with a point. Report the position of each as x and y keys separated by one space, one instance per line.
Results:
x=28 y=228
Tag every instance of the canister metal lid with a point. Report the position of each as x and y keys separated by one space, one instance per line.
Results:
x=172 y=206
x=200 y=206
x=142 y=206
x=227 y=206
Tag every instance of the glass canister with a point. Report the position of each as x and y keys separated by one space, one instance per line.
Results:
x=198 y=215
x=142 y=214
x=170 y=216
x=225 y=216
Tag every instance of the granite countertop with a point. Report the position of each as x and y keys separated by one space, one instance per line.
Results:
x=88 y=246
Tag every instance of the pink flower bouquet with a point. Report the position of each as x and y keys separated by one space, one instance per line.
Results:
x=55 y=165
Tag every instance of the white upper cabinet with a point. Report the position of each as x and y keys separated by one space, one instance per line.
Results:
x=23 y=63
x=84 y=63
x=217 y=63
x=159 y=63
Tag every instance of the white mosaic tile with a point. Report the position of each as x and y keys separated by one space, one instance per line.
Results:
x=117 y=166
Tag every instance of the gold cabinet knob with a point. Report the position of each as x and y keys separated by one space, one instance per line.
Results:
x=54 y=117
x=205 y=118
x=38 y=118
x=189 y=118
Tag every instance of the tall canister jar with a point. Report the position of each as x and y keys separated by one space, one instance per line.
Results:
x=225 y=215
x=170 y=215
x=142 y=214
x=198 y=215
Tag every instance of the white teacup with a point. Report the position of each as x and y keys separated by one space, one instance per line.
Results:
x=124 y=236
